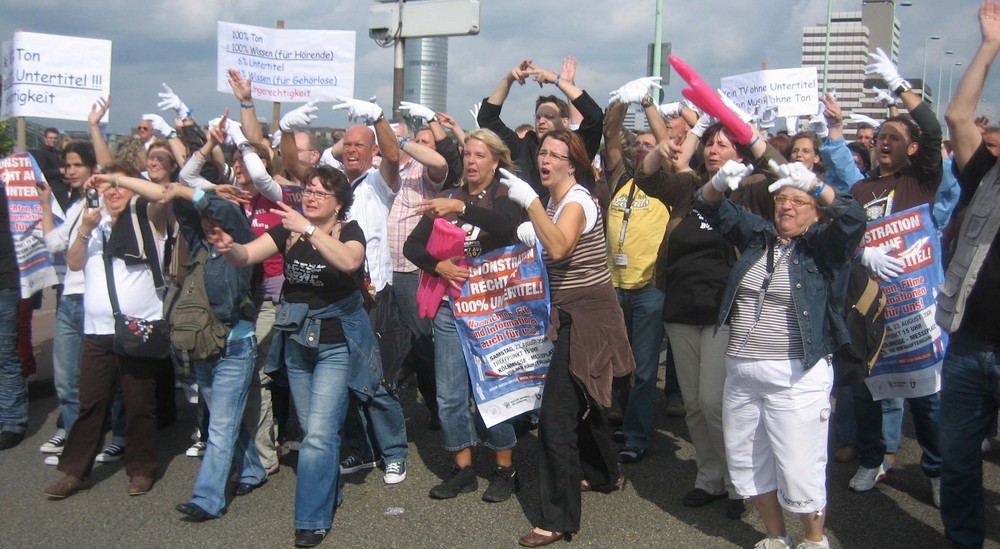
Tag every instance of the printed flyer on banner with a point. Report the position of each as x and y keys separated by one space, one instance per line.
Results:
x=52 y=76
x=501 y=316
x=910 y=363
x=287 y=66
x=793 y=92
x=20 y=173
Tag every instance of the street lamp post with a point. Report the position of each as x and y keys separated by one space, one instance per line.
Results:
x=939 y=97
x=951 y=79
x=826 y=49
x=923 y=72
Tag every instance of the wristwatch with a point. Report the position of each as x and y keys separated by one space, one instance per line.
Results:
x=647 y=101
x=903 y=86
x=310 y=229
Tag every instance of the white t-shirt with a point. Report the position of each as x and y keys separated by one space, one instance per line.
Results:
x=58 y=241
x=134 y=283
x=372 y=202
x=578 y=193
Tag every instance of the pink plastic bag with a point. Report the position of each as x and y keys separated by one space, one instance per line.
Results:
x=702 y=95
x=447 y=240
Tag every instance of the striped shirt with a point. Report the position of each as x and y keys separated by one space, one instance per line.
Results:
x=588 y=264
x=775 y=334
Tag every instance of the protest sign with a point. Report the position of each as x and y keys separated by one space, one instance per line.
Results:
x=793 y=92
x=502 y=315
x=910 y=363
x=20 y=174
x=287 y=66
x=52 y=76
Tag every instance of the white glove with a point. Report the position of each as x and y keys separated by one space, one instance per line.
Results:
x=818 y=125
x=359 y=111
x=160 y=125
x=859 y=118
x=276 y=139
x=704 y=121
x=792 y=174
x=635 y=90
x=767 y=117
x=792 y=124
x=730 y=175
x=669 y=110
x=474 y=111
x=526 y=233
x=234 y=131
x=299 y=118
x=416 y=110
x=884 y=68
x=518 y=189
x=883 y=97
x=744 y=116
x=169 y=100
x=880 y=263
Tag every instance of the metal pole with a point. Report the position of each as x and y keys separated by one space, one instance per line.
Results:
x=657 y=46
x=21 y=138
x=923 y=72
x=397 y=77
x=939 y=99
x=276 y=106
x=826 y=50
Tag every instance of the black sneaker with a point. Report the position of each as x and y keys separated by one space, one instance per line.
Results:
x=459 y=481
x=503 y=482
x=10 y=439
x=309 y=538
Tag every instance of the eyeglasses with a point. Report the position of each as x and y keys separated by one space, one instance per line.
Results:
x=145 y=128
x=162 y=158
x=794 y=201
x=644 y=145
x=320 y=195
x=552 y=155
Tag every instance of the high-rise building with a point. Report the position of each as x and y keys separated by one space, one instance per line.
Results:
x=425 y=73
x=852 y=35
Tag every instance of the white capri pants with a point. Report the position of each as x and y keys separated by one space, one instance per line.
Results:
x=775 y=418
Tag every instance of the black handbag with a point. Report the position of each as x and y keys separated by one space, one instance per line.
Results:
x=136 y=337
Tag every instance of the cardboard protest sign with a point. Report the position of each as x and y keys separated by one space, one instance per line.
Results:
x=794 y=92
x=20 y=174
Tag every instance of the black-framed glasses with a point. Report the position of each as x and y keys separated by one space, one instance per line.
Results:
x=552 y=155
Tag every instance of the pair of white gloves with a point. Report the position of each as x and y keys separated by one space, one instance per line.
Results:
x=791 y=174
x=357 y=111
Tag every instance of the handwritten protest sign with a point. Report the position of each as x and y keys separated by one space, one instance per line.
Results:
x=910 y=362
x=52 y=76
x=501 y=316
x=287 y=65
x=20 y=173
x=793 y=92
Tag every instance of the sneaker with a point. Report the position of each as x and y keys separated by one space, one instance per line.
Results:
x=618 y=436
x=774 y=543
x=55 y=444
x=52 y=460
x=461 y=480
x=630 y=454
x=309 y=538
x=936 y=491
x=503 y=482
x=865 y=478
x=806 y=544
x=10 y=439
x=394 y=473
x=196 y=450
x=353 y=464
x=190 y=392
x=111 y=454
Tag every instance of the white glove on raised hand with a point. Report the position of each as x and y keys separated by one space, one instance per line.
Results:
x=518 y=189
x=359 y=111
x=767 y=117
x=169 y=100
x=299 y=118
x=730 y=175
x=160 y=125
x=670 y=110
x=633 y=91
x=234 y=131
x=704 y=121
x=276 y=139
x=474 y=111
x=881 y=66
x=818 y=125
x=883 y=97
x=744 y=116
x=792 y=174
x=859 y=118
x=526 y=233
x=416 y=110
x=880 y=263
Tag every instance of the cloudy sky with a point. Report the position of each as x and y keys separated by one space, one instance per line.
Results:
x=175 y=42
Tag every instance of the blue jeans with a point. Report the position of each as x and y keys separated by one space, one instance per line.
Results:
x=844 y=424
x=643 y=309
x=868 y=417
x=317 y=378
x=970 y=393
x=224 y=382
x=13 y=390
x=67 y=348
x=377 y=428
x=892 y=424
x=460 y=427
x=421 y=357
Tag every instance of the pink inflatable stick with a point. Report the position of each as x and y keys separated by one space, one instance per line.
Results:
x=702 y=95
x=446 y=240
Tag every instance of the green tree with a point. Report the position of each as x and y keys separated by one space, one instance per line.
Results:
x=7 y=138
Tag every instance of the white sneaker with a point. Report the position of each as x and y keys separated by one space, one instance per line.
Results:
x=936 y=491
x=774 y=543
x=52 y=460
x=196 y=450
x=865 y=479
x=394 y=473
x=55 y=444
x=806 y=544
x=111 y=454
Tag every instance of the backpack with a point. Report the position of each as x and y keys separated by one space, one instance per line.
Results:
x=865 y=316
x=195 y=332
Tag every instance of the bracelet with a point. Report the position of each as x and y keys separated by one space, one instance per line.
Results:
x=246 y=105
x=462 y=213
x=403 y=142
x=819 y=190
x=114 y=181
x=754 y=141
x=83 y=237
x=558 y=78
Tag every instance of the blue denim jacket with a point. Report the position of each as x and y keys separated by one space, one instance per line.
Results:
x=296 y=321
x=818 y=268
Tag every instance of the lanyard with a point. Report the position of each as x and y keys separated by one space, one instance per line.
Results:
x=771 y=266
x=628 y=213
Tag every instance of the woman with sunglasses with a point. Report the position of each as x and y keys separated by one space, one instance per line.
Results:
x=785 y=306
